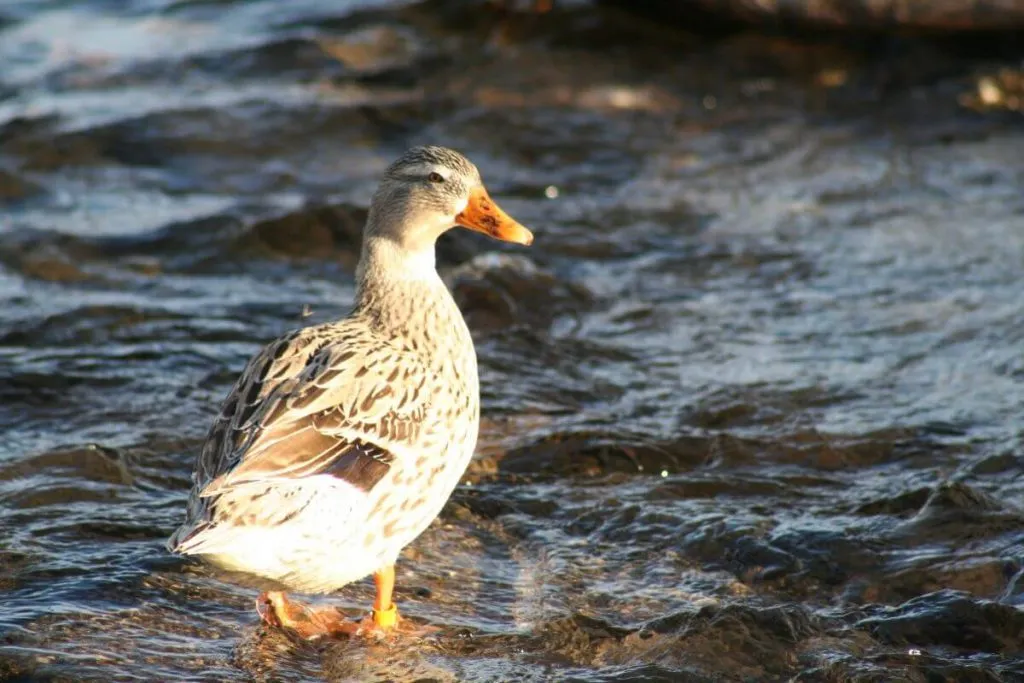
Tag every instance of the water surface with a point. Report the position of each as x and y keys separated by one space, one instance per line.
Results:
x=752 y=401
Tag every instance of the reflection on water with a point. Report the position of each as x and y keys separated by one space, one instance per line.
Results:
x=752 y=403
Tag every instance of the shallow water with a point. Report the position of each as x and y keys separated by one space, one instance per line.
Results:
x=752 y=402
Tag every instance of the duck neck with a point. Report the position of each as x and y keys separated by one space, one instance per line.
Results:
x=384 y=259
x=397 y=286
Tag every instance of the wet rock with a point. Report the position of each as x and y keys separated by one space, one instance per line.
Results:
x=641 y=673
x=829 y=558
x=491 y=502
x=36 y=389
x=884 y=668
x=1013 y=594
x=17 y=668
x=47 y=257
x=856 y=15
x=835 y=452
x=651 y=528
x=52 y=267
x=198 y=245
x=597 y=453
x=739 y=549
x=40 y=147
x=496 y=291
x=93 y=463
x=316 y=232
x=903 y=503
x=984 y=576
x=957 y=510
x=81 y=326
x=295 y=56
x=747 y=642
x=374 y=49
x=711 y=485
x=575 y=636
x=998 y=464
x=15 y=188
x=957 y=498
x=951 y=619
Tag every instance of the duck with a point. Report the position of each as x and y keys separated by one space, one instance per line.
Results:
x=340 y=443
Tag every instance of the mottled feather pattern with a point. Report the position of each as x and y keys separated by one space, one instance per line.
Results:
x=341 y=442
x=317 y=401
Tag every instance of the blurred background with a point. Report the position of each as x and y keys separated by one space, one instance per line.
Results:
x=752 y=401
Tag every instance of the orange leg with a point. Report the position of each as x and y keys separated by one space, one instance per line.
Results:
x=385 y=613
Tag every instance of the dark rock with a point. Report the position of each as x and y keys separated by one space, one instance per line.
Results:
x=947 y=15
x=952 y=619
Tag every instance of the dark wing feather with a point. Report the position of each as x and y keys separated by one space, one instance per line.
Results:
x=362 y=465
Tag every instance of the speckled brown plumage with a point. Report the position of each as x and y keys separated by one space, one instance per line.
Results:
x=340 y=443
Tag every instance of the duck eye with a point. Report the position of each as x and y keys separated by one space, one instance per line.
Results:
x=435 y=177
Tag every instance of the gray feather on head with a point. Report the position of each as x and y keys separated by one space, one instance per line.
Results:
x=420 y=194
x=432 y=155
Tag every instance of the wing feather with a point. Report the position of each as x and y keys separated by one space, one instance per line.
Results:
x=329 y=399
x=331 y=403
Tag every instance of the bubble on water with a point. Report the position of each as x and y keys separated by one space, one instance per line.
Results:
x=551 y=192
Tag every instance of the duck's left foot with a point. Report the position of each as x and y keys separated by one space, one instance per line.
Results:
x=275 y=609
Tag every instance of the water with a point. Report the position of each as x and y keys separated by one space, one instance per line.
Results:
x=752 y=401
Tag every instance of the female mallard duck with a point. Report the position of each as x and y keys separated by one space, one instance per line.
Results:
x=341 y=442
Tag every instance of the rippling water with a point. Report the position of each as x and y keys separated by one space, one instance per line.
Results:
x=752 y=402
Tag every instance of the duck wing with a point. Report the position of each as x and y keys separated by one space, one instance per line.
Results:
x=349 y=410
x=333 y=400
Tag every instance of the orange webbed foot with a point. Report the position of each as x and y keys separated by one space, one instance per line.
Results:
x=276 y=610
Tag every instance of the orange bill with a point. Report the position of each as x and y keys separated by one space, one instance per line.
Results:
x=483 y=215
